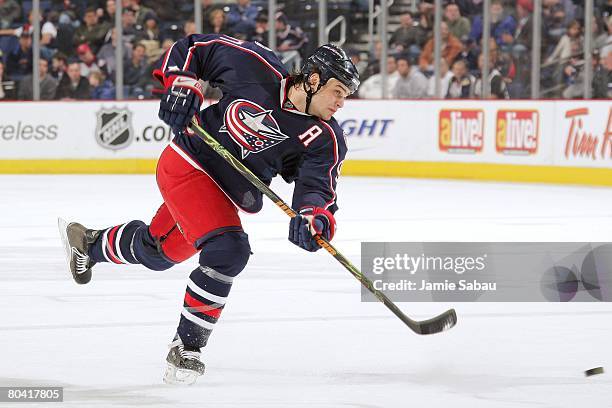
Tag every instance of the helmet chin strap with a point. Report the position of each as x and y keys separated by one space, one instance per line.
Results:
x=310 y=94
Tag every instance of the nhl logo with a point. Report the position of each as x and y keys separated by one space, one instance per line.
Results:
x=251 y=126
x=114 y=128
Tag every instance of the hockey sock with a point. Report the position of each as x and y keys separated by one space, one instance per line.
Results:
x=205 y=297
x=129 y=243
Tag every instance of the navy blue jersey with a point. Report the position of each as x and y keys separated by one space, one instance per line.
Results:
x=257 y=123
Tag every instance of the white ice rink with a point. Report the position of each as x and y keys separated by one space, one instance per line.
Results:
x=294 y=332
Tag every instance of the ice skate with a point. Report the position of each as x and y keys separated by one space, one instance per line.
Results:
x=77 y=239
x=184 y=366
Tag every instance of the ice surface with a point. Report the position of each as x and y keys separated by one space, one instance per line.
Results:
x=294 y=332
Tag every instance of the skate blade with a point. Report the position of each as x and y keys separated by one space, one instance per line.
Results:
x=63 y=230
x=179 y=376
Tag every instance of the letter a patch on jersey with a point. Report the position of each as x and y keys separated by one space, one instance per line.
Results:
x=252 y=127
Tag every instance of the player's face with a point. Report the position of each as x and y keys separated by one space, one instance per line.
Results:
x=329 y=99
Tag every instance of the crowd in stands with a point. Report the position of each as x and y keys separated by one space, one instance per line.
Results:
x=78 y=43
x=411 y=65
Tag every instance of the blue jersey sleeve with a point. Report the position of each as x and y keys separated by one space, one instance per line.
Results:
x=318 y=174
x=228 y=63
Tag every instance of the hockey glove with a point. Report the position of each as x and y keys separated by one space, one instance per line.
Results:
x=181 y=100
x=308 y=223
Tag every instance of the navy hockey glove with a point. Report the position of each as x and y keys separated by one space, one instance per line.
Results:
x=308 y=223
x=181 y=100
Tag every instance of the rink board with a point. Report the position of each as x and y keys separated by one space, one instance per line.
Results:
x=525 y=141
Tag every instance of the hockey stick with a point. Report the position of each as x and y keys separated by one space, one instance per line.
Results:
x=434 y=325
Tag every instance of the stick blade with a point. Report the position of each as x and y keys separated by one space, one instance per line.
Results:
x=438 y=324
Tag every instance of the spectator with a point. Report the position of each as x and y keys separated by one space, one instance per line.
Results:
x=469 y=53
x=554 y=22
x=91 y=32
x=599 y=35
x=88 y=60
x=494 y=52
x=140 y=12
x=241 y=18
x=602 y=78
x=560 y=8
x=573 y=75
x=497 y=85
x=189 y=28
x=524 y=29
x=48 y=36
x=289 y=42
x=149 y=36
x=68 y=12
x=73 y=85
x=261 y=29
x=461 y=85
x=157 y=88
x=48 y=84
x=48 y=33
x=515 y=51
x=372 y=87
x=500 y=23
x=457 y=25
x=409 y=36
x=570 y=44
x=7 y=88
x=128 y=20
x=135 y=71
x=451 y=47
x=9 y=13
x=101 y=88
x=150 y=30
x=564 y=60
x=360 y=64
x=411 y=82
x=445 y=77
x=19 y=62
x=217 y=22
x=65 y=39
x=374 y=59
x=108 y=14
x=426 y=18
x=106 y=55
x=59 y=64
x=208 y=7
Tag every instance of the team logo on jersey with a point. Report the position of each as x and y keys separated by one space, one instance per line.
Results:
x=114 y=128
x=252 y=127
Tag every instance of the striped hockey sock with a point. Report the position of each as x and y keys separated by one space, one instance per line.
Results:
x=115 y=244
x=205 y=298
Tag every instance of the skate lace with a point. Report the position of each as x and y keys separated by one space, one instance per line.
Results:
x=186 y=354
x=81 y=261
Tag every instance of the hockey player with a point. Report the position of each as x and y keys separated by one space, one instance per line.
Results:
x=275 y=123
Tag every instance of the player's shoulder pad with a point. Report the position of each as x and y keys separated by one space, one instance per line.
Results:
x=240 y=47
x=336 y=127
x=333 y=129
x=332 y=138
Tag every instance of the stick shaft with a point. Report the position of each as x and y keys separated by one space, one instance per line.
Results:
x=249 y=175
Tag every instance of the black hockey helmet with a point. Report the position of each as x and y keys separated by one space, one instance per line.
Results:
x=330 y=61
